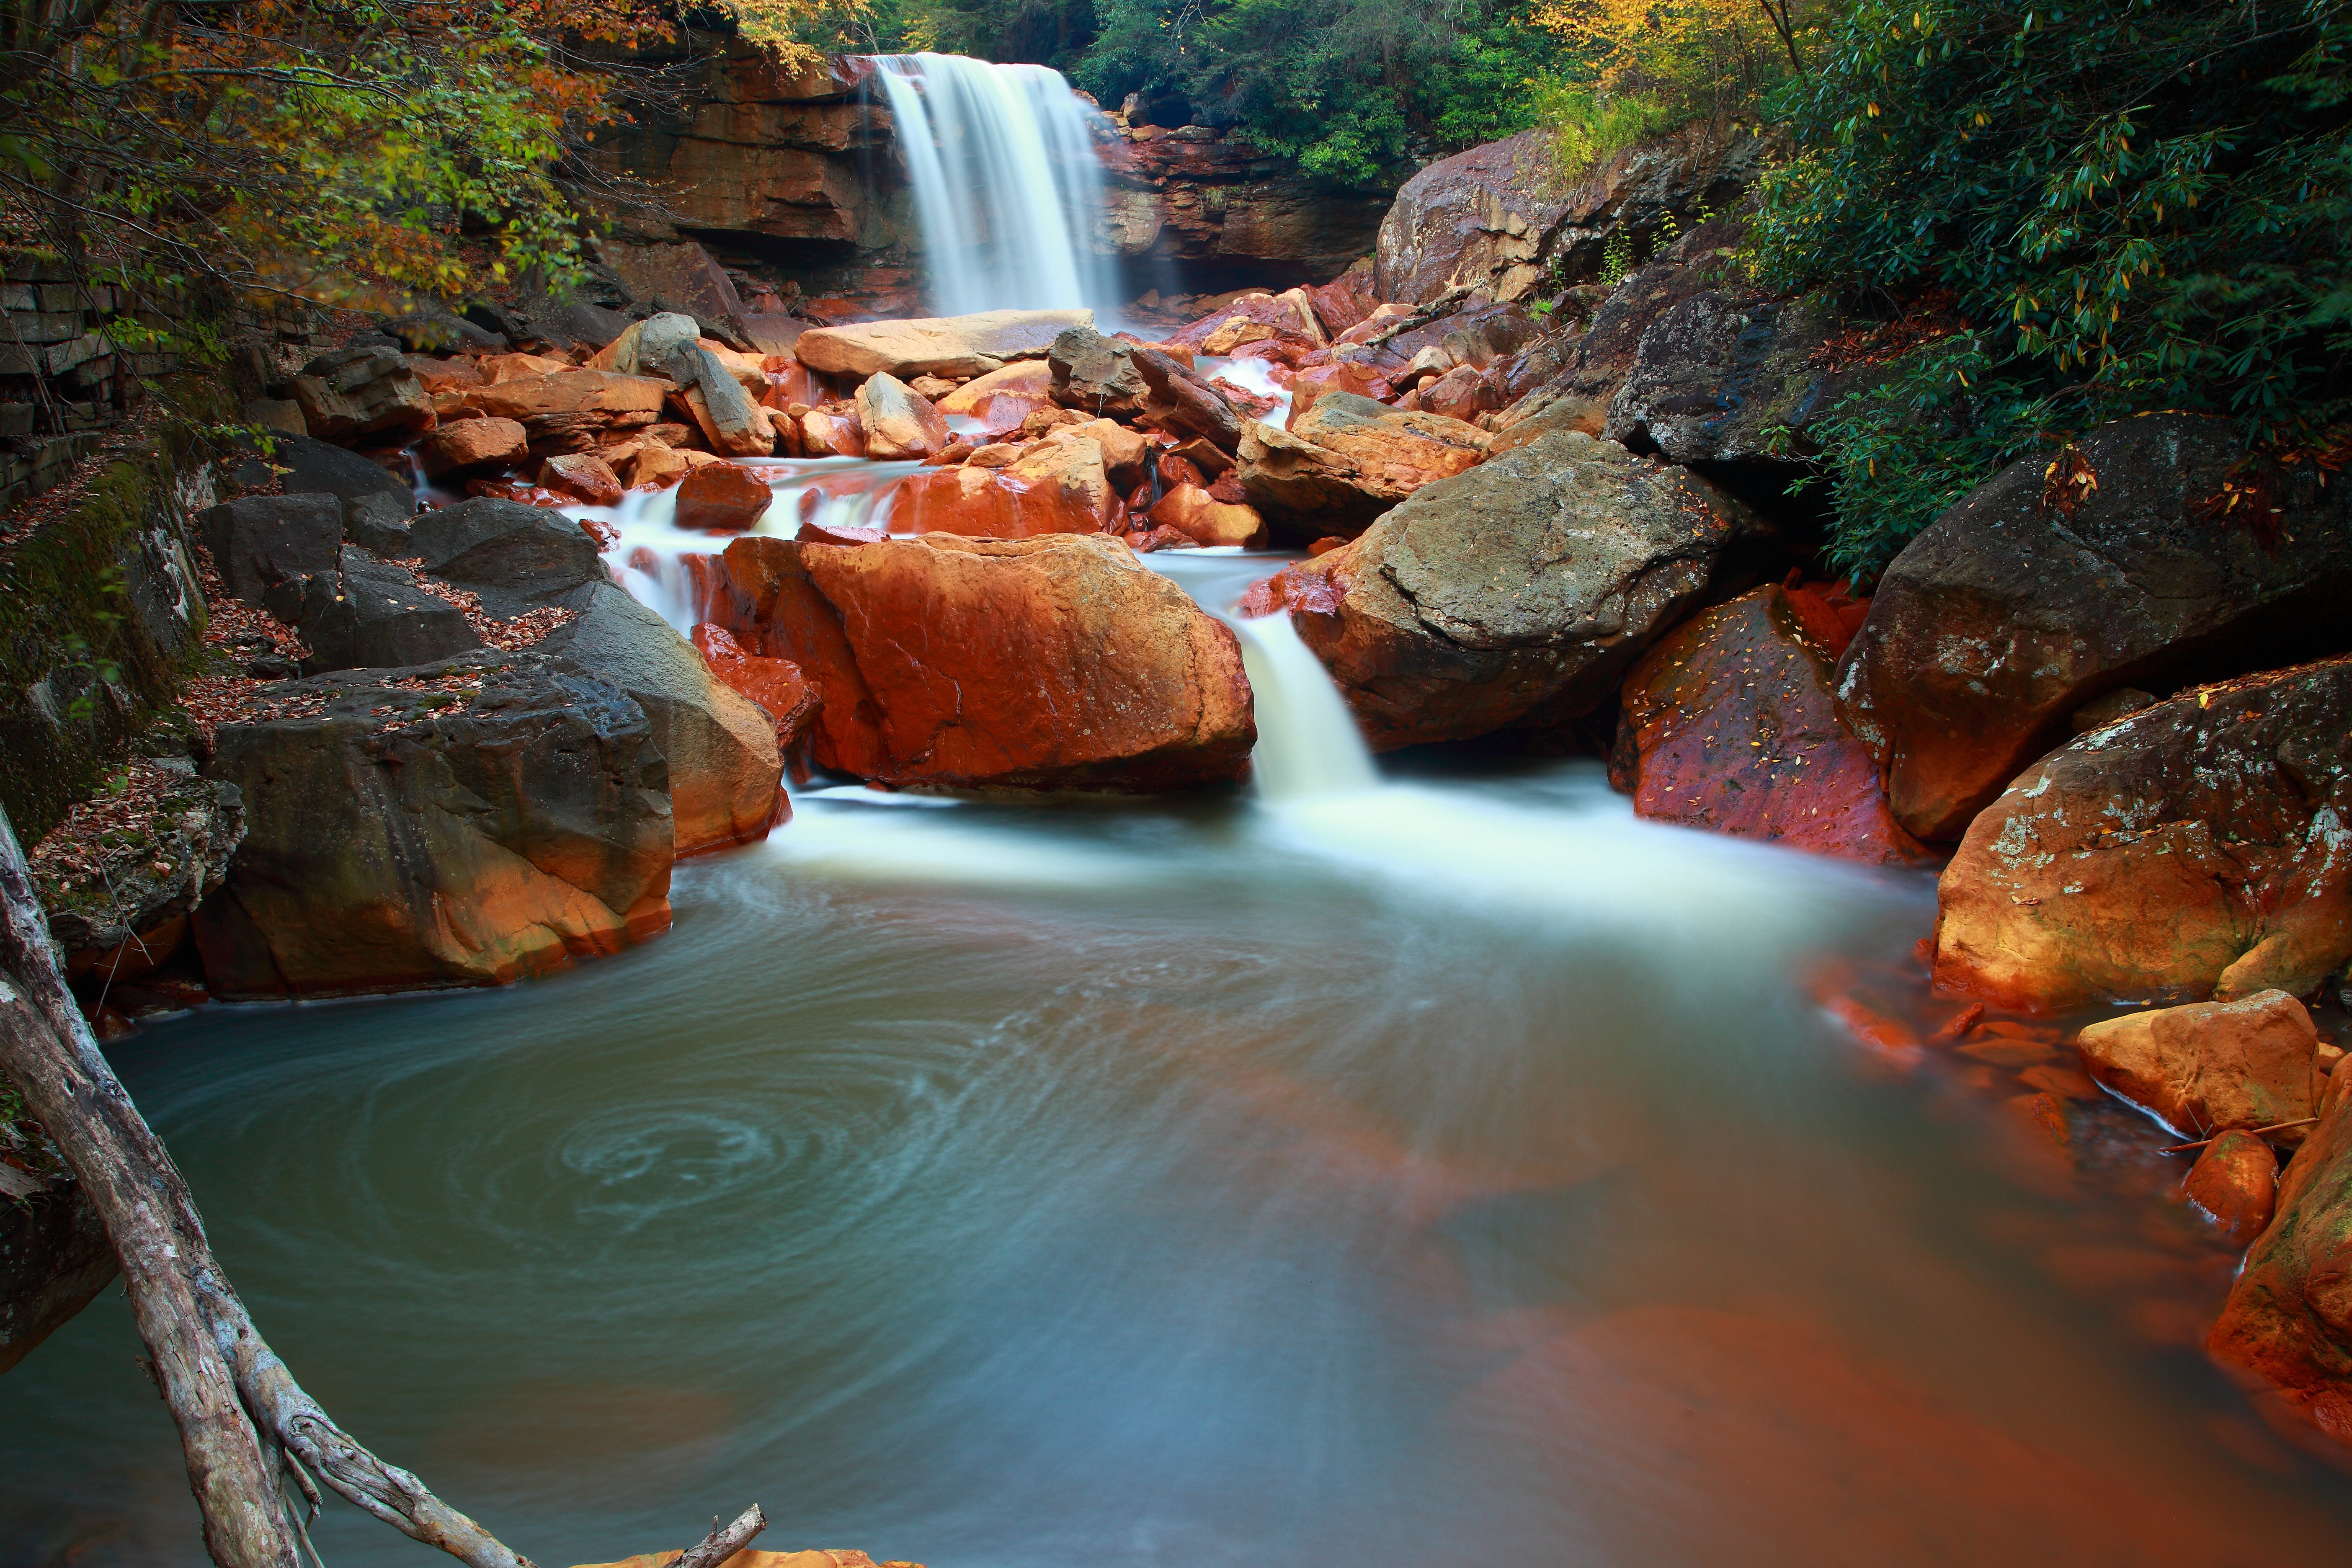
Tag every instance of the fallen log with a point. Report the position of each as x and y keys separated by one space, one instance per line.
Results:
x=247 y=1430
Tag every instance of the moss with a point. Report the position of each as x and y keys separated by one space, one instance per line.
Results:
x=80 y=675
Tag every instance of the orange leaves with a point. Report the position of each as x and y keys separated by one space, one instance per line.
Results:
x=2067 y=483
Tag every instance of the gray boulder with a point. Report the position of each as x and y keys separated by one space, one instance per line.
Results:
x=258 y=542
x=1096 y=374
x=1715 y=375
x=377 y=503
x=369 y=612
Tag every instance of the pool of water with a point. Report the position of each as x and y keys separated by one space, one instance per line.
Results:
x=1453 y=1167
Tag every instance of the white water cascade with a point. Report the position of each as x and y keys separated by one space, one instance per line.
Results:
x=1308 y=742
x=1008 y=187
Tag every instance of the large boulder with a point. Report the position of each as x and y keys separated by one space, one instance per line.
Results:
x=1718 y=375
x=1093 y=374
x=1498 y=220
x=526 y=397
x=350 y=393
x=369 y=612
x=725 y=773
x=1347 y=461
x=260 y=541
x=54 y=1254
x=1052 y=663
x=1726 y=724
x=2289 y=1316
x=2056 y=581
x=1179 y=401
x=377 y=503
x=1059 y=485
x=1515 y=595
x=952 y=346
x=2193 y=849
x=467 y=822
x=2211 y=1067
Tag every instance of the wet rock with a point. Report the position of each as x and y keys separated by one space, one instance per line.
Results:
x=1001 y=399
x=645 y=347
x=605 y=392
x=582 y=476
x=1462 y=392
x=731 y=422
x=257 y=541
x=462 y=824
x=2039 y=594
x=832 y=435
x=1348 y=461
x=369 y=612
x=1057 y=486
x=899 y=421
x=1717 y=375
x=1182 y=404
x=1216 y=332
x=2289 y=1315
x=2193 y=849
x=1515 y=595
x=777 y=685
x=1727 y=725
x=1094 y=374
x=471 y=444
x=119 y=904
x=951 y=346
x=54 y=1254
x=362 y=392
x=723 y=768
x=1316 y=380
x=722 y=498
x=1049 y=663
x=1191 y=511
x=2234 y=1184
x=2211 y=1065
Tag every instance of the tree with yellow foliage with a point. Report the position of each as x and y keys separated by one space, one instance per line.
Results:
x=1658 y=63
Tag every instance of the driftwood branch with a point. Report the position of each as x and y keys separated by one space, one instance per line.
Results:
x=720 y=1544
x=2257 y=1132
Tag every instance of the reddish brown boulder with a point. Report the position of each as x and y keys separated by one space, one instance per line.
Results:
x=582 y=476
x=1727 y=725
x=775 y=684
x=471 y=444
x=1057 y=662
x=2194 y=849
x=2060 y=580
x=899 y=421
x=569 y=391
x=1056 y=486
x=2234 y=1184
x=2289 y=1316
x=824 y=434
x=722 y=498
x=1515 y=595
x=1344 y=377
x=1191 y=511
x=1348 y=461
x=2211 y=1065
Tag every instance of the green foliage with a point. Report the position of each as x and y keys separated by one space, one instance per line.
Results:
x=1588 y=125
x=2137 y=203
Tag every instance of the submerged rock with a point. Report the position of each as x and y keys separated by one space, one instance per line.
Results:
x=1514 y=595
x=2211 y=1065
x=465 y=823
x=1049 y=663
x=2195 y=848
x=1727 y=724
x=2061 y=580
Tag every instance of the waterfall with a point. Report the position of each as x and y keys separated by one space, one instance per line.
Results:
x=1308 y=742
x=1008 y=187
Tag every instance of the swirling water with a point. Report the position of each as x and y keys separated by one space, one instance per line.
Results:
x=1455 y=1165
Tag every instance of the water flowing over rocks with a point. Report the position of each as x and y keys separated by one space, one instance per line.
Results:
x=1727 y=724
x=1515 y=595
x=1058 y=662
x=2194 y=849
x=464 y=822
x=2063 y=579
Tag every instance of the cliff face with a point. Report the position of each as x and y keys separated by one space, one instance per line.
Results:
x=800 y=170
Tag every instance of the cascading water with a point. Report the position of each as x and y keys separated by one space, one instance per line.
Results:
x=1008 y=187
x=1308 y=742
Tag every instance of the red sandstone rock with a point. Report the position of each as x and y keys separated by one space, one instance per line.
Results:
x=1727 y=724
x=831 y=434
x=1056 y=486
x=570 y=391
x=2193 y=849
x=775 y=684
x=2234 y=1184
x=1056 y=662
x=469 y=444
x=1350 y=459
x=1190 y=510
x=1462 y=392
x=2211 y=1065
x=722 y=498
x=1346 y=376
x=1213 y=333
x=1336 y=306
x=899 y=421
x=580 y=475
x=2289 y=1316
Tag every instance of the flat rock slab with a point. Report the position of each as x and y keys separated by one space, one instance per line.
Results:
x=954 y=346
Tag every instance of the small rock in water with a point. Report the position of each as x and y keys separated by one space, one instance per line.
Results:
x=2211 y=1065
x=582 y=476
x=723 y=497
x=2234 y=1184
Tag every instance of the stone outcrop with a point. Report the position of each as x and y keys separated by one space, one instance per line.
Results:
x=376 y=504
x=2057 y=582
x=54 y=1254
x=954 y=346
x=2289 y=1316
x=1497 y=218
x=365 y=612
x=362 y=393
x=1094 y=374
x=2211 y=1067
x=1515 y=595
x=723 y=768
x=1349 y=459
x=2194 y=849
x=1057 y=662
x=1717 y=375
x=1209 y=201
x=260 y=541
x=1726 y=724
x=461 y=824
